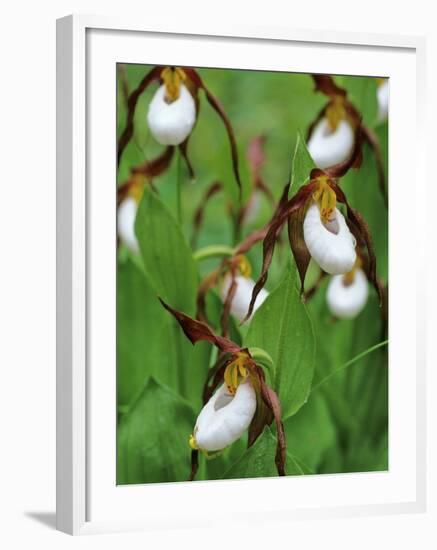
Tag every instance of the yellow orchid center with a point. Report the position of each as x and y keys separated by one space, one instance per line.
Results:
x=349 y=277
x=235 y=372
x=136 y=187
x=325 y=198
x=192 y=442
x=244 y=266
x=335 y=112
x=172 y=77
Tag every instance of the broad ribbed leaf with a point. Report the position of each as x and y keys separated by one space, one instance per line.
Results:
x=281 y=326
x=152 y=442
x=259 y=460
x=167 y=258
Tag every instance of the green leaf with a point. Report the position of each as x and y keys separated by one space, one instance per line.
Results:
x=167 y=257
x=150 y=343
x=301 y=166
x=152 y=442
x=311 y=431
x=282 y=327
x=259 y=460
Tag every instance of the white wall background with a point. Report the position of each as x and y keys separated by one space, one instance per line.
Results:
x=27 y=270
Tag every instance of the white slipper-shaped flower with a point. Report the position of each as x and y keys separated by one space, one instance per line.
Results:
x=329 y=147
x=171 y=122
x=330 y=243
x=127 y=212
x=347 y=296
x=382 y=93
x=242 y=296
x=225 y=418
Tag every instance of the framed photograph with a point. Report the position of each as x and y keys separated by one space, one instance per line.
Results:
x=236 y=313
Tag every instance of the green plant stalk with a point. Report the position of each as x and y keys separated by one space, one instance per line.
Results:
x=178 y=187
x=349 y=363
x=213 y=251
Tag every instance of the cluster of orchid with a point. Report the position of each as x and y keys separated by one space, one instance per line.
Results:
x=322 y=226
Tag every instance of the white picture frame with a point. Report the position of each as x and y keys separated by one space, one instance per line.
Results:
x=86 y=500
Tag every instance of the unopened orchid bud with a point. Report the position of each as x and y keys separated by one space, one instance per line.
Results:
x=225 y=418
x=126 y=215
x=329 y=146
x=382 y=93
x=330 y=243
x=242 y=296
x=171 y=122
x=346 y=296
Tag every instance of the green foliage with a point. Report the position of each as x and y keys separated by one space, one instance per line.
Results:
x=167 y=258
x=282 y=327
x=259 y=460
x=335 y=424
x=152 y=437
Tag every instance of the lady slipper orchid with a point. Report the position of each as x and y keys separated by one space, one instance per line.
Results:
x=347 y=294
x=335 y=136
x=317 y=229
x=326 y=234
x=236 y=397
x=172 y=111
x=225 y=418
x=233 y=280
x=382 y=94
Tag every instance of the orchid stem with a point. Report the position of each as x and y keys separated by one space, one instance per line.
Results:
x=213 y=251
x=178 y=187
x=350 y=363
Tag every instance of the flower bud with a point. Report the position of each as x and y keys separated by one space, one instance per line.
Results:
x=171 y=122
x=225 y=418
x=382 y=93
x=345 y=296
x=242 y=296
x=327 y=146
x=330 y=243
x=126 y=215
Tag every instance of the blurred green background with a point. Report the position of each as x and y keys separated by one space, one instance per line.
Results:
x=343 y=426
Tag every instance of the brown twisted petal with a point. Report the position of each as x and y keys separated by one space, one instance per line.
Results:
x=197 y=330
x=359 y=228
x=155 y=167
x=325 y=83
x=149 y=169
x=194 y=76
x=153 y=75
x=264 y=417
x=285 y=209
x=183 y=148
x=298 y=247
